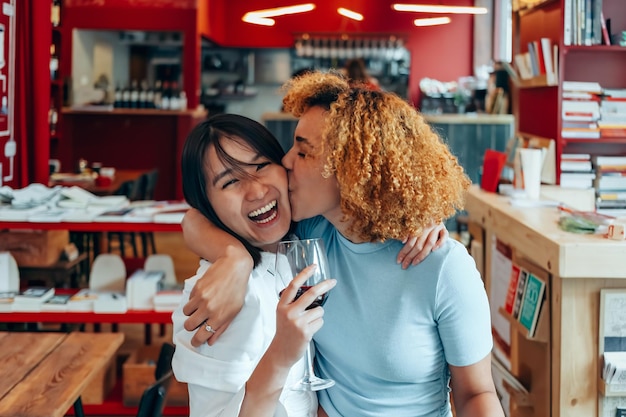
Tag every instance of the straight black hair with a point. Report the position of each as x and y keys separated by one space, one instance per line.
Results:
x=211 y=132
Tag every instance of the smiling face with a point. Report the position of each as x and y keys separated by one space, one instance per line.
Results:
x=310 y=193
x=251 y=198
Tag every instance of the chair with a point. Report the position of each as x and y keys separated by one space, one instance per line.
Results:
x=13 y=280
x=152 y=400
x=165 y=263
x=162 y=262
x=108 y=273
x=164 y=361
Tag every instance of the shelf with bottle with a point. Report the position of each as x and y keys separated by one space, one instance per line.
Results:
x=164 y=95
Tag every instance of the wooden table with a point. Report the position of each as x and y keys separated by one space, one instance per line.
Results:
x=43 y=374
x=88 y=182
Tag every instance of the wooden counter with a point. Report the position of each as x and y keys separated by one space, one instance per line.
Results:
x=578 y=266
x=128 y=139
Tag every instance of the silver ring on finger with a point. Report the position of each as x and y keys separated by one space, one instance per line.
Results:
x=208 y=327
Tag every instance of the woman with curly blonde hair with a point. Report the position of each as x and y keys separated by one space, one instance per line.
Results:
x=365 y=170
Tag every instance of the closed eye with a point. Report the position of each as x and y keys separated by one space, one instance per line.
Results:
x=262 y=165
x=229 y=183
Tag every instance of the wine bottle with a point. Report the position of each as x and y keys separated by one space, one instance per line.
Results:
x=165 y=96
x=158 y=94
x=143 y=95
x=55 y=13
x=53 y=117
x=134 y=95
x=174 y=100
x=54 y=63
x=126 y=97
x=117 y=97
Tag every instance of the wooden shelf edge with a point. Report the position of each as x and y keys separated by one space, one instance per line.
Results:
x=540 y=81
x=593 y=48
x=532 y=7
x=526 y=135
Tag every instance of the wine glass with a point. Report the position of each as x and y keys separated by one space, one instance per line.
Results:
x=292 y=256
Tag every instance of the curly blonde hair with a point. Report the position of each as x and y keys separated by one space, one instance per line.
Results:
x=395 y=174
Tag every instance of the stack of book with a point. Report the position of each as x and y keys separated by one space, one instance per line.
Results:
x=580 y=110
x=524 y=298
x=141 y=288
x=583 y=23
x=57 y=302
x=6 y=300
x=610 y=185
x=32 y=299
x=612 y=121
x=540 y=59
x=577 y=171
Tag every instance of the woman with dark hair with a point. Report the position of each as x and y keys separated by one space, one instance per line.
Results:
x=233 y=177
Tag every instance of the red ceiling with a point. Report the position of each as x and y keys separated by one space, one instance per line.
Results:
x=228 y=29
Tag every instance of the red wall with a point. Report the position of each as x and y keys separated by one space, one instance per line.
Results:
x=441 y=52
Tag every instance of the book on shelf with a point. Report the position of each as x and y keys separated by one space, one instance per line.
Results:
x=580 y=110
x=578 y=180
x=612 y=195
x=576 y=156
x=549 y=54
x=610 y=182
x=576 y=166
x=609 y=161
x=6 y=300
x=82 y=301
x=57 y=302
x=519 y=294
x=531 y=303
x=141 y=287
x=34 y=295
x=109 y=302
x=509 y=302
x=167 y=299
x=577 y=133
x=584 y=86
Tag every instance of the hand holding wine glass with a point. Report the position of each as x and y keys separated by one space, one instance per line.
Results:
x=292 y=258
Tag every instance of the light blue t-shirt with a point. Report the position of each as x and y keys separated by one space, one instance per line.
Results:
x=389 y=334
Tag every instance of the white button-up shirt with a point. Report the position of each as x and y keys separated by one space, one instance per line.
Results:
x=216 y=375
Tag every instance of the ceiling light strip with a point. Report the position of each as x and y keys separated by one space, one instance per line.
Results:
x=432 y=8
x=350 y=14
x=433 y=21
x=262 y=17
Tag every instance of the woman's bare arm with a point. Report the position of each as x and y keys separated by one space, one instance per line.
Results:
x=417 y=248
x=218 y=296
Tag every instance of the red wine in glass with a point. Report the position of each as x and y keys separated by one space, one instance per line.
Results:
x=318 y=302
x=291 y=258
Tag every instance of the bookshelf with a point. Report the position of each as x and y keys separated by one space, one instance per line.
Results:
x=537 y=104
